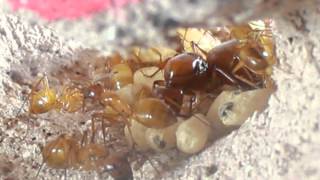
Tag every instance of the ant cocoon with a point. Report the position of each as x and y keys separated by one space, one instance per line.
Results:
x=193 y=134
x=232 y=108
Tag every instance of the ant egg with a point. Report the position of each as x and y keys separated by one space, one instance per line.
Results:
x=136 y=135
x=203 y=38
x=145 y=76
x=162 y=139
x=192 y=134
x=152 y=55
x=232 y=108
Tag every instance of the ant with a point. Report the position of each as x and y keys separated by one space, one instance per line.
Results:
x=66 y=152
x=43 y=98
x=149 y=111
x=248 y=51
x=251 y=57
x=184 y=74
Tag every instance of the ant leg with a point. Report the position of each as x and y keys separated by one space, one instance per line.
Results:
x=237 y=67
x=227 y=76
x=151 y=75
x=93 y=129
x=103 y=132
x=137 y=56
x=246 y=81
x=185 y=109
x=160 y=66
x=23 y=104
x=103 y=117
x=187 y=98
x=38 y=172
x=235 y=80
x=140 y=61
x=248 y=74
x=84 y=138
x=153 y=165
x=195 y=45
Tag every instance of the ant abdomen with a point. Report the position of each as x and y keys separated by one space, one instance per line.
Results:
x=61 y=152
x=186 y=70
x=153 y=113
x=43 y=100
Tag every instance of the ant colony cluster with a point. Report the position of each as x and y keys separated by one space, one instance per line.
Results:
x=159 y=98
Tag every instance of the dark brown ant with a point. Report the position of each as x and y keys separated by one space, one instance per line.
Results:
x=250 y=59
x=248 y=52
x=184 y=74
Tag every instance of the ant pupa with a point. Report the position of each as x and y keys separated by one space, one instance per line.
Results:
x=66 y=152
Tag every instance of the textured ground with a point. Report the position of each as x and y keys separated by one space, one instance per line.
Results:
x=281 y=143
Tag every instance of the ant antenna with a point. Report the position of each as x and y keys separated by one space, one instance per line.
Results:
x=23 y=104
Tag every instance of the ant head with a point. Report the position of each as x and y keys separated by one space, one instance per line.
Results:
x=94 y=91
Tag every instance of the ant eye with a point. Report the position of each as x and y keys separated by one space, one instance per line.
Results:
x=200 y=66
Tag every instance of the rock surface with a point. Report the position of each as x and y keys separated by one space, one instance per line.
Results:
x=281 y=143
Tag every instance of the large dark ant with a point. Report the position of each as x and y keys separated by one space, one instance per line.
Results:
x=243 y=61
